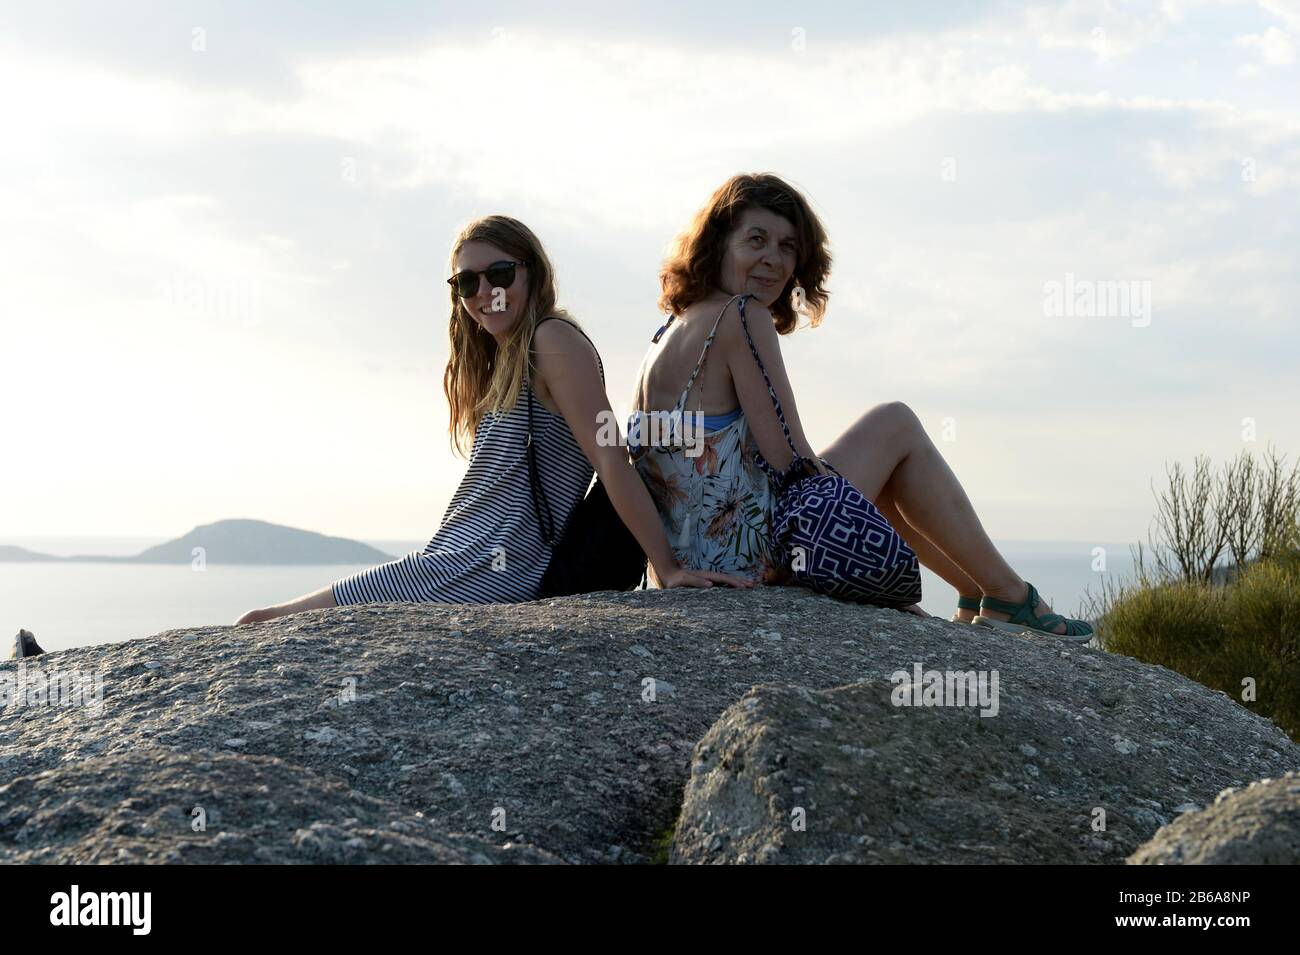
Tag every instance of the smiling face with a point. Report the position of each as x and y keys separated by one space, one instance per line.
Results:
x=495 y=309
x=759 y=256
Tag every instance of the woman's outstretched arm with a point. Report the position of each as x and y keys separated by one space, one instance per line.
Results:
x=316 y=600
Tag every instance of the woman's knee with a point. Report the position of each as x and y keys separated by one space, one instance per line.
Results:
x=896 y=419
x=904 y=415
x=873 y=446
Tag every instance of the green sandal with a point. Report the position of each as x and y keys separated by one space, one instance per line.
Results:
x=966 y=603
x=1023 y=618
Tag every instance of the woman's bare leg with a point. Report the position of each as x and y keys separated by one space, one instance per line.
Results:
x=888 y=445
x=929 y=555
x=316 y=600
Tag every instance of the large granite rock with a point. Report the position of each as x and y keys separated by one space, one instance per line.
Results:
x=1074 y=766
x=567 y=730
x=1258 y=825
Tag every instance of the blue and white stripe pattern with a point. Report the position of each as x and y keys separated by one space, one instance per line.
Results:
x=488 y=548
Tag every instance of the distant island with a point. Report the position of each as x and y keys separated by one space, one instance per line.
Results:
x=235 y=541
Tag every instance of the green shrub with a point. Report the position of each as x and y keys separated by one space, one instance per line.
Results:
x=1263 y=639
x=1219 y=635
x=1178 y=624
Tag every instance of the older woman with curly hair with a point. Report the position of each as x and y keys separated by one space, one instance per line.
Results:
x=753 y=259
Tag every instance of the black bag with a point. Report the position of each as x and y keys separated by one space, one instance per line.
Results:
x=596 y=550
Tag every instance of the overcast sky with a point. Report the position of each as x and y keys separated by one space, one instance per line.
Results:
x=225 y=231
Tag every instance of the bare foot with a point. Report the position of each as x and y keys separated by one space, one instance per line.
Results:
x=914 y=609
x=964 y=615
x=1017 y=595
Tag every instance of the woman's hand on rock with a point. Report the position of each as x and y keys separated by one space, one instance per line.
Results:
x=684 y=577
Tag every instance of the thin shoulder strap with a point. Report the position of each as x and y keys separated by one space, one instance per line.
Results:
x=770 y=390
x=542 y=507
x=640 y=383
x=699 y=365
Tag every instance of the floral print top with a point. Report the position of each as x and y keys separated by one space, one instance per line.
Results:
x=713 y=497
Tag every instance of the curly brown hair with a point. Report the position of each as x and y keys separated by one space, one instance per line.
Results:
x=690 y=273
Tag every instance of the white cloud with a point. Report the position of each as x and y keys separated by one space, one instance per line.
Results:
x=1187 y=167
x=47 y=100
x=1106 y=31
x=1287 y=10
x=1274 y=46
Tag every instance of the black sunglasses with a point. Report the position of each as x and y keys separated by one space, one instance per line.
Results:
x=499 y=275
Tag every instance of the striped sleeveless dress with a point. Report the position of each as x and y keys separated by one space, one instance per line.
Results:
x=488 y=547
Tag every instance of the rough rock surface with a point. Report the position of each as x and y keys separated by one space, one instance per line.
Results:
x=439 y=729
x=1253 y=826
x=845 y=775
x=215 y=809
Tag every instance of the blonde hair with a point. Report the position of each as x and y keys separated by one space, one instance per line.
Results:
x=482 y=376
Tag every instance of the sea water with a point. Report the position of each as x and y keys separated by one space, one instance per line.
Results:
x=72 y=604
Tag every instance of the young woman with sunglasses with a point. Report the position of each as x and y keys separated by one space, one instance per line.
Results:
x=489 y=547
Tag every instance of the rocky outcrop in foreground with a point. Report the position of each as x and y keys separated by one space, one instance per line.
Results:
x=691 y=725
x=1258 y=825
